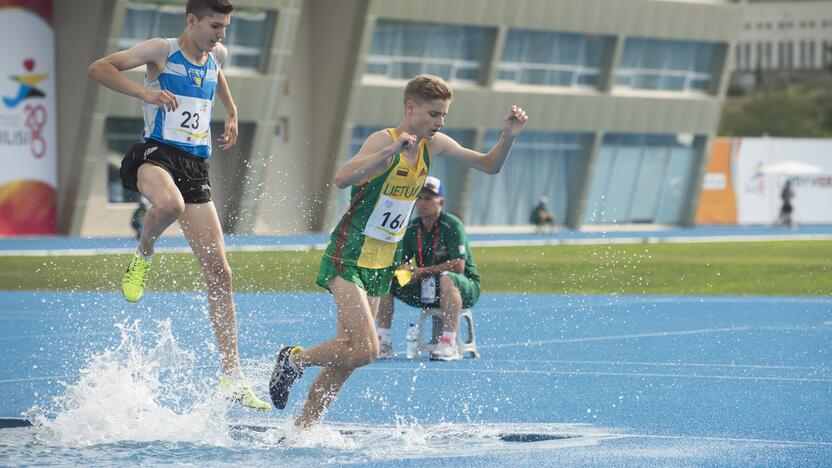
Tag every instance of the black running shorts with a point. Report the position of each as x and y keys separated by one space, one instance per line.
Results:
x=189 y=172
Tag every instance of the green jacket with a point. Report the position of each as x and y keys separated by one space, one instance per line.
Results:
x=451 y=244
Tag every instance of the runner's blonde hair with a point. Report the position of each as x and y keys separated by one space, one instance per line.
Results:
x=427 y=88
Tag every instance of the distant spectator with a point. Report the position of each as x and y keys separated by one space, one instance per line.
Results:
x=541 y=217
x=786 y=209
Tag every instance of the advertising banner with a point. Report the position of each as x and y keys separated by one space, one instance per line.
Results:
x=759 y=192
x=757 y=174
x=28 y=131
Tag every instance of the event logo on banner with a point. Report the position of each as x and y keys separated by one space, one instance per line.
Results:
x=28 y=178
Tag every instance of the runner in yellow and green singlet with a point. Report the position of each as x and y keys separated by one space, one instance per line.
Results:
x=386 y=178
x=363 y=245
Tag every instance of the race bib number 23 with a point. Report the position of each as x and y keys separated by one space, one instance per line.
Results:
x=190 y=122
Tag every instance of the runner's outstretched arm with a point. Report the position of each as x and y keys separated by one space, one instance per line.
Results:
x=493 y=161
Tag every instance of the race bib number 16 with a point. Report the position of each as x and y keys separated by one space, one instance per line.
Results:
x=190 y=122
x=388 y=222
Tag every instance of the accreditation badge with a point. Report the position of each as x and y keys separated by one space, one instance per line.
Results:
x=429 y=290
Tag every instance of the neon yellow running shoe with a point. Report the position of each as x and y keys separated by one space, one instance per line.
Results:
x=132 y=284
x=239 y=391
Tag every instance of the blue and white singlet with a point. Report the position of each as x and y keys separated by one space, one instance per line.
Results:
x=189 y=126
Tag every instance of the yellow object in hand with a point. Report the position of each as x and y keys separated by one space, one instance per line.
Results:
x=403 y=276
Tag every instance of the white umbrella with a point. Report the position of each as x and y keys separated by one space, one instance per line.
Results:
x=791 y=168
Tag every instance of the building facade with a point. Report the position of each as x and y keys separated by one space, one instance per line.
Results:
x=785 y=36
x=624 y=97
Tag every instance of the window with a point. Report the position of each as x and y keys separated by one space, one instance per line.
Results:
x=807 y=54
x=758 y=62
x=804 y=52
x=743 y=58
x=642 y=178
x=765 y=55
x=552 y=59
x=811 y=59
x=248 y=38
x=402 y=50
x=143 y=21
x=826 y=54
x=781 y=54
x=651 y=64
x=789 y=61
x=542 y=164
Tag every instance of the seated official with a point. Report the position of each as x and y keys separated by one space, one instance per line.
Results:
x=541 y=217
x=435 y=251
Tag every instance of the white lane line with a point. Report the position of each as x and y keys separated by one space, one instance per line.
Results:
x=669 y=364
x=601 y=374
x=32 y=379
x=637 y=335
x=723 y=439
x=651 y=240
x=53 y=335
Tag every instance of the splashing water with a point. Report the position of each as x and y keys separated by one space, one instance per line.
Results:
x=142 y=401
x=136 y=393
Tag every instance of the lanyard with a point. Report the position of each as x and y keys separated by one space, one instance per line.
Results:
x=435 y=242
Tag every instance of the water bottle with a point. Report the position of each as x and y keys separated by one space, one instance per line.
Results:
x=412 y=338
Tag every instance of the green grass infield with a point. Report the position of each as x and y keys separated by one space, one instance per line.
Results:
x=797 y=268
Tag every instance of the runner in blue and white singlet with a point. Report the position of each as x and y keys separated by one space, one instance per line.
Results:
x=170 y=167
x=189 y=126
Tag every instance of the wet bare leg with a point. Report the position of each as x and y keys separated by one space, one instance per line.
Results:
x=355 y=345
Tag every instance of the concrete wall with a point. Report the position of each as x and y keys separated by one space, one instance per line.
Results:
x=320 y=73
x=480 y=107
x=296 y=119
x=77 y=44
